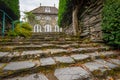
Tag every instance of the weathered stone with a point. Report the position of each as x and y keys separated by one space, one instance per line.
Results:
x=106 y=64
x=54 y=51
x=64 y=59
x=2 y=54
x=115 y=61
x=2 y=65
x=63 y=46
x=32 y=52
x=80 y=56
x=108 y=53
x=71 y=73
x=19 y=65
x=47 y=61
x=30 y=77
x=45 y=45
x=93 y=66
x=92 y=19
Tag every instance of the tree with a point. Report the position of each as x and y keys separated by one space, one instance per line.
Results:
x=68 y=13
x=11 y=7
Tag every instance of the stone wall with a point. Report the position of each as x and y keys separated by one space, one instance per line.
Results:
x=91 y=21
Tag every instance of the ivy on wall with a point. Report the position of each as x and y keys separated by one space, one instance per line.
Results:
x=111 y=22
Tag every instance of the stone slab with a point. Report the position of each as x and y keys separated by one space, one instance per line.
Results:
x=92 y=66
x=71 y=73
x=19 y=65
x=64 y=59
x=115 y=61
x=54 y=51
x=47 y=61
x=32 y=52
x=2 y=54
x=80 y=56
x=30 y=77
x=107 y=64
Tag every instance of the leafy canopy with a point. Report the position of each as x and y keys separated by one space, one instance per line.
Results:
x=11 y=7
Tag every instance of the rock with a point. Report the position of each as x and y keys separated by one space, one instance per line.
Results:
x=54 y=51
x=32 y=52
x=115 y=61
x=2 y=54
x=80 y=56
x=19 y=65
x=47 y=61
x=64 y=59
x=106 y=64
x=71 y=73
x=30 y=77
x=93 y=66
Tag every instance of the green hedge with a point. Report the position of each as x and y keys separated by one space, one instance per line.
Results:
x=111 y=22
x=11 y=7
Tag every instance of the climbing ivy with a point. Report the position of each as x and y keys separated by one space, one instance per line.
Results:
x=65 y=12
x=111 y=22
x=11 y=7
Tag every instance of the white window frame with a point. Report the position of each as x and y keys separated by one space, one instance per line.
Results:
x=47 y=9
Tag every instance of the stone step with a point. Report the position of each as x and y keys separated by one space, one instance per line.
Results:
x=34 y=54
x=38 y=42
x=37 y=76
x=19 y=66
x=88 y=71
x=84 y=71
x=48 y=45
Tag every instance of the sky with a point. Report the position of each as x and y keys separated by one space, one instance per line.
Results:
x=28 y=5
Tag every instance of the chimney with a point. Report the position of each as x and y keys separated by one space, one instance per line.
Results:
x=54 y=5
x=40 y=4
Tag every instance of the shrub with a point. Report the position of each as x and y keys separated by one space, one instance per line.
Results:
x=21 y=29
x=111 y=22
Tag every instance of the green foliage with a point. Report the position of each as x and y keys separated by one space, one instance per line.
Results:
x=65 y=12
x=11 y=7
x=21 y=29
x=111 y=22
x=31 y=18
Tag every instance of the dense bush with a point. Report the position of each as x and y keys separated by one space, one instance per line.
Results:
x=21 y=29
x=111 y=22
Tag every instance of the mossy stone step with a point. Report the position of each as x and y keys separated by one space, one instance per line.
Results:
x=16 y=66
x=37 y=76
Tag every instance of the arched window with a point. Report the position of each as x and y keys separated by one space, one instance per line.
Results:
x=56 y=28
x=48 y=28
x=37 y=28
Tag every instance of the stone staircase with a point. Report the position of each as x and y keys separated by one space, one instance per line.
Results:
x=58 y=59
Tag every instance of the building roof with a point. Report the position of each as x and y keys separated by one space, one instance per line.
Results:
x=41 y=10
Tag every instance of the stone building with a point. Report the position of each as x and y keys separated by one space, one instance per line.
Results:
x=46 y=17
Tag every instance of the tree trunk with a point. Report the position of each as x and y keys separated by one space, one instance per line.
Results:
x=75 y=20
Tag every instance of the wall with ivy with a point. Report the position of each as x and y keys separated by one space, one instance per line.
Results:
x=11 y=7
x=111 y=22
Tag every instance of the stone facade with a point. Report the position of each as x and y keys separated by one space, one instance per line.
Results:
x=46 y=17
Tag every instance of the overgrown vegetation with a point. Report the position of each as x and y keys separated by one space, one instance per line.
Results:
x=69 y=12
x=11 y=7
x=111 y=22
x=22 y=30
